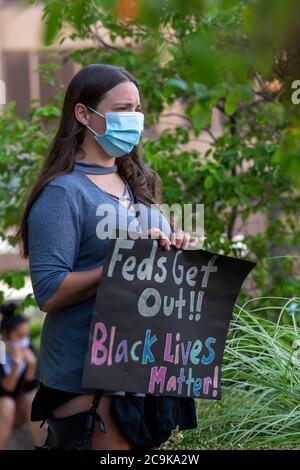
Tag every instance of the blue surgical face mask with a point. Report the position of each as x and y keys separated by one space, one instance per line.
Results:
x=123 y=131
x=19 y=343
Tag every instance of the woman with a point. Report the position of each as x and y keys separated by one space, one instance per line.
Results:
x=93 y=165
x=17 y=383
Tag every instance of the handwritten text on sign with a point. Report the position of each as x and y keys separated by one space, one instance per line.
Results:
x=161 y=319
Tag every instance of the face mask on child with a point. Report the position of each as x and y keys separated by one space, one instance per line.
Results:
x=18 y=343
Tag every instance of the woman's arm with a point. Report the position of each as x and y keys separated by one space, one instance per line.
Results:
x=9 y=382
x=54 y=235
x=76 y=287
x=79 y=286
x=30 y=359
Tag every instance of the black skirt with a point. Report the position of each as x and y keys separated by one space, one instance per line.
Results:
x=147 y=421
x=22 y=387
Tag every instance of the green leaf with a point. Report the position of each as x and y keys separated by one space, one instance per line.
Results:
x=208 y=182
x=177 y=83
x=52 y=17
x=201 y=116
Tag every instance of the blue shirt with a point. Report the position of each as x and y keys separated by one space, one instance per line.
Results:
x=64 y=225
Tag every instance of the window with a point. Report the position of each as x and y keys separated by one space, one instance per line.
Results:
x=16 y=77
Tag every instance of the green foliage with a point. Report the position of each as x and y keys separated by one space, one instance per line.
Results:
x=202 y=55
x=35 y=333
x=23 y=145
x=240 y=58
x=14 y=279
x=261 y=385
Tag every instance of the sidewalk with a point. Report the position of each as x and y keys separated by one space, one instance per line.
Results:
x=20 y=440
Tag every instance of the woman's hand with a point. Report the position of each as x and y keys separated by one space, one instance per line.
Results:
x=29 y=357
x=9 y=382
x=179 y=239
x=17 y=355
x=183 y=240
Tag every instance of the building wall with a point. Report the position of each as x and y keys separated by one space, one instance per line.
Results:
x=22 y=50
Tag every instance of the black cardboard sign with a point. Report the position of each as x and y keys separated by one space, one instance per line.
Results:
x=161 y=319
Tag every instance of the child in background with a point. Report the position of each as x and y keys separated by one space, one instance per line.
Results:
x=17 y=383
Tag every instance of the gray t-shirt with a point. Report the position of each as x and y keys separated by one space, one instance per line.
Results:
x=63 y=236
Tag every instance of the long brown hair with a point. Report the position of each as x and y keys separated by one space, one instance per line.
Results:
x=88 y=86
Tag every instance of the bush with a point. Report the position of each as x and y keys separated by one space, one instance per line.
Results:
x=260 y=406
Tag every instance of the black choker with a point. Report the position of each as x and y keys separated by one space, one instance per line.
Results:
x=95 y=168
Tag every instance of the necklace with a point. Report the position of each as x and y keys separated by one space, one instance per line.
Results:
x=98 y=169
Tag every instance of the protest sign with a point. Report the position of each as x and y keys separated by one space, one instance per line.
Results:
x=161 y=319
